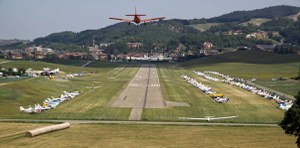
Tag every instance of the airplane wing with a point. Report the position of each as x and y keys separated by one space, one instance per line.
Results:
x=121 y=19
x=208 y=118
x=152 y=19
x=217 y=118
x=185 y=118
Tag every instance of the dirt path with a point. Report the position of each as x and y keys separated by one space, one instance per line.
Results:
x=3 y=62
x=140 y=122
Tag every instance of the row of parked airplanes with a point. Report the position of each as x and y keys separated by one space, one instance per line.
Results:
x=50 y=103
x=213 y=79
x=282 y=104
x=208 y=90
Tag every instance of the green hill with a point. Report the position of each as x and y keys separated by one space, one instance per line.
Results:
x=270 y=13
x=167 y=35
x=160 y=32
x=121 y=32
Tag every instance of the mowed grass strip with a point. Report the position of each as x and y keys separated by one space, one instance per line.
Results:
x=92 y=104
x=94 y=135
x=249 y=107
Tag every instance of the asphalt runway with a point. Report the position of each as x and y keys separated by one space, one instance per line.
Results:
x=142 y=92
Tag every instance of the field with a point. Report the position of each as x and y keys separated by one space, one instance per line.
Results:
x=254 y=64
x=69 y=62
x=1 y=60
x=94 y=135
x=256 y=21
x=104 y=82
x=96 y=88
x=204 y=27
x=249 y=107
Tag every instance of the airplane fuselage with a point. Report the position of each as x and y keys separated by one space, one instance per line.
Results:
x=137 y=19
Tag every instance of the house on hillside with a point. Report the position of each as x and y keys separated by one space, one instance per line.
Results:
x=135 y=45
x=267 y=48
x=257 y=35
x=16 y=56
x=103 y=57
x=207 y=45
x=39 y=56
x=105 y=44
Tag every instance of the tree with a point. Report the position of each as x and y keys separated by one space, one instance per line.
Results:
x=291 y=120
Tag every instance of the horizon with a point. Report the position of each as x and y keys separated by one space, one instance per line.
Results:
x=31 y=19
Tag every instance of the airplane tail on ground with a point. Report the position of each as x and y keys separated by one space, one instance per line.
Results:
x=22 y=108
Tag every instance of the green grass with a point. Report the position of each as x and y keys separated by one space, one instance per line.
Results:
x=1 y=60
x=256 y=21
x=253 y=64
x=69 y=62
x=204 y=27
x=13 y=135
x=100 y=88
x=96 y=89
x=36 y=65
x=288 y=86
x=249 y=107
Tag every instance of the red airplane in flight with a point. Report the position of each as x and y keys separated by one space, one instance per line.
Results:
x=137 y=19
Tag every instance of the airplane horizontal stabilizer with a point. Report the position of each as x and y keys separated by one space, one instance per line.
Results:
x=135 y=15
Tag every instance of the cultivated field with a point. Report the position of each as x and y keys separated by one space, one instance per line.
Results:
x=95 y=135
x=204 y=27
x=256 y=21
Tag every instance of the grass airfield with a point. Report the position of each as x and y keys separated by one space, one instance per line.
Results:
x=103 y=83
x=97 y=89
x=100 y=88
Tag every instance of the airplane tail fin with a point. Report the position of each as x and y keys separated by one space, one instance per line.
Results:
x=135 y=14
x=22 y=108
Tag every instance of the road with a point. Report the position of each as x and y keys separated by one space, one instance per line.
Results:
x=140 y=122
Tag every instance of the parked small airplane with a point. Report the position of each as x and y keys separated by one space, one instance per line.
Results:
x=29 y=110
x=137 y=19
x=221 y=100
x=208 y=118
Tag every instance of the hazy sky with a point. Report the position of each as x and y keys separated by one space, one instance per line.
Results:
x=29 y=19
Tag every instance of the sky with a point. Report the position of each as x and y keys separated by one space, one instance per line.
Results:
x=29 y=19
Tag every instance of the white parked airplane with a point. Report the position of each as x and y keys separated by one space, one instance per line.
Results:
x=28 y=110
x=221 y=100
x=208 y=118
x=285 y=106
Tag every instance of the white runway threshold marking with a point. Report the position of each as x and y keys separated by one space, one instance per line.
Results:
x=142 y=92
